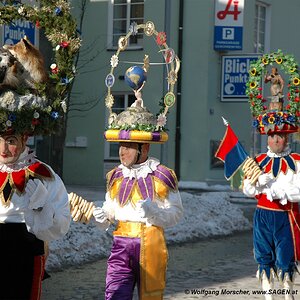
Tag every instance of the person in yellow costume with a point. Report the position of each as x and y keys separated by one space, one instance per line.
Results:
x=143 y=198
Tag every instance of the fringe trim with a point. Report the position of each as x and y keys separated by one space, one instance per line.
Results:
x=278 y=273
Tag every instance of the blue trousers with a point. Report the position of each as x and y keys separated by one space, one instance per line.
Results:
x=273 y=242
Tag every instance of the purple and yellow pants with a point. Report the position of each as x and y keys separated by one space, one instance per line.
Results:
x=138 y=257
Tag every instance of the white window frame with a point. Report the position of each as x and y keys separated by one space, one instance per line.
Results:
x=267 y=29
x=110 y=26
x=108 y=144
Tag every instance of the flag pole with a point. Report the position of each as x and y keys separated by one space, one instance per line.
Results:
x=225 y=121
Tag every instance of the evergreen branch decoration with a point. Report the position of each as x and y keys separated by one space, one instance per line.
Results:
x=60 y=28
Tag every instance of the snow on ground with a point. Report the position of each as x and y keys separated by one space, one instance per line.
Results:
x=205 y=215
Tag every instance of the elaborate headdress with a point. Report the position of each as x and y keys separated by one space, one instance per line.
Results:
x=283 y=111
x=136 y=123
x=33 y=98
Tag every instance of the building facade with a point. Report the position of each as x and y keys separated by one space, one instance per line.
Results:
x=203 y=88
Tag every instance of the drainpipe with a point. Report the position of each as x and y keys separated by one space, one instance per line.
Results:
x=178 y=98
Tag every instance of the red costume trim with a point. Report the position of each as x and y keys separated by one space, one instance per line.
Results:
x=17 y=180
x=284 y=165
x=38 y=274
x=294 y=217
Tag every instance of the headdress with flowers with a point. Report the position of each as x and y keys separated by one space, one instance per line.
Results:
x=136 y=123
x=266 y=119
x=42 y=112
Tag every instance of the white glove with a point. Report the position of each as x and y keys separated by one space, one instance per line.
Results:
x=265 y=179
x=278 y=192
x=146 y=208
x=39 y=220
x=100 y=215
x=37 y=193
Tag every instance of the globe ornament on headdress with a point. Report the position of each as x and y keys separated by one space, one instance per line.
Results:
x=137 y=123
x=40 y=108
x=281 y=115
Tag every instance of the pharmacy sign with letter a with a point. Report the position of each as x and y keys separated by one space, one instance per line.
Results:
x=228 y=31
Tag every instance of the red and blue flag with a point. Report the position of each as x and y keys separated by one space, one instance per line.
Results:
x=231 y=152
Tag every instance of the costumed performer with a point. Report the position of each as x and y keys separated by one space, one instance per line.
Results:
x=276 y=225
x=34 y=206
x=142 y=198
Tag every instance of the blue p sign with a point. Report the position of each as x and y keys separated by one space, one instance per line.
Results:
x=228 y=33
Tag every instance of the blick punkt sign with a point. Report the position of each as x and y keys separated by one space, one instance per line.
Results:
x=234 y=76
x=16 y=30
x=228 y=31
x=12 y=33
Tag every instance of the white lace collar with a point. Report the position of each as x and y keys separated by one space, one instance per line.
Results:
x=140 y=170
x=285 y=152
x=26 y=159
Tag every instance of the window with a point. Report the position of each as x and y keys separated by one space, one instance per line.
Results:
x=261 y=28
x=122 y=13
x=122 y=101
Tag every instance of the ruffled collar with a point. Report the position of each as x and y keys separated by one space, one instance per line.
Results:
x=140 y=170
x=26 y=159
x=285 y=152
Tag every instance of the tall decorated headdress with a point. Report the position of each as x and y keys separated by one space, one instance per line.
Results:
x=279 y=112
x=33 y=96
x=137 y=123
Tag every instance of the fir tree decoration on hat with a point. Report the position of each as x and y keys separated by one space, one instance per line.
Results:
x=279 y=112
x=136 y=123
x=34 y=103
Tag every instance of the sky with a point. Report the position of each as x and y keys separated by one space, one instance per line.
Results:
x=207 y=214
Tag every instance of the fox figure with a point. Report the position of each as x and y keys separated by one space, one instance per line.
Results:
x=31 y=60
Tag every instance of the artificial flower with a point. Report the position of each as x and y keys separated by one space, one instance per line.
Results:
x=35 y=122
x=64 y=106
x=296 y=81
x=114 y=61
x=161 y=120
x=54 y=68
x=279 y=60
x=54 y=115
x=265 y=61
x=253 y=72
x=252 y=85
x=271 y=120
x=12 y=117
x=64 y=44
x=21 y=11
x=57 y=11
x=161 y=38
x=65 y=80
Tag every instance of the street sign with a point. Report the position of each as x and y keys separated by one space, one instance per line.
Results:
x=228 y=31
x=234 y=77
x=16 y=30
x=12 y=33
